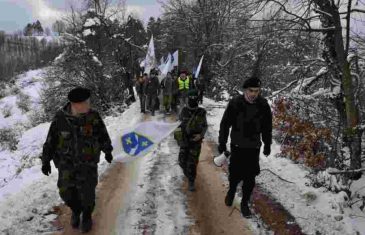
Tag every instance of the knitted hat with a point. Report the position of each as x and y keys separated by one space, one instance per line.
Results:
x=79 y=94
x=252 y=82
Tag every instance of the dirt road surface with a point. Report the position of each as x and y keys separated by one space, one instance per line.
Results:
x=205 y=206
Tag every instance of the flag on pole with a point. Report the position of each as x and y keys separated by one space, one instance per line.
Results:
x=167 y=68
x=141 y=139
x=150 y=61
x=199 y=67
x=175 y=59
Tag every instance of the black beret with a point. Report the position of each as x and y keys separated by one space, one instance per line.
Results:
x=79 y=94
x=252 y=82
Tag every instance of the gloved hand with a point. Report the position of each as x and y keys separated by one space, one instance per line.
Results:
x=222 y=148
x=108 y=157
x=267 y=150
x=46 y=168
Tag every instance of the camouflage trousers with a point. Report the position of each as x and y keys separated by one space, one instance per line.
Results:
x=77 y=186
x=189 y=159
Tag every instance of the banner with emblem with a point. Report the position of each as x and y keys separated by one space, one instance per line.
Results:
x=141 y=139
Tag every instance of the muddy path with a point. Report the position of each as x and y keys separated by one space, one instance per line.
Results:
x=110 y=193
x=207 y=206
x=117 y=200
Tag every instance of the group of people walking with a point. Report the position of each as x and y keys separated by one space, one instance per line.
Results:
x=77 y=135
x=173 y=88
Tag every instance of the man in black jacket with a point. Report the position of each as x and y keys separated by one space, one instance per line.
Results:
x=249 y=115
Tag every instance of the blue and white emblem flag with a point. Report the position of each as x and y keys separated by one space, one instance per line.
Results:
x=141 y=139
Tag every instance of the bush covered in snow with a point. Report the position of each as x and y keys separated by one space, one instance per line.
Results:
x=36 y=117
x=91 y=61
x=8 y=138
x=23 y=102
x=6 y=110
x=15 y=90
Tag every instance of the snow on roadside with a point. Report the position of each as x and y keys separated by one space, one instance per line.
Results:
x=29 y=196
x=28 y=83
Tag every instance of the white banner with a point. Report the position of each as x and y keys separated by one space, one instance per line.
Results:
x=141 y=139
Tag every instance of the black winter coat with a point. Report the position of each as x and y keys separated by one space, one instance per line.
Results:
x=248 y=121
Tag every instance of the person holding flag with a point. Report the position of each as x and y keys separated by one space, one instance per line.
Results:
x=193 y=127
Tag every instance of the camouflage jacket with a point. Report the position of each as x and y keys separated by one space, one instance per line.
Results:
x=76 y=140
x=193 y=121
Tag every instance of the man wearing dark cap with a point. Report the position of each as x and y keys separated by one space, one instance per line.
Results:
x=75 y=139
x=249 y=115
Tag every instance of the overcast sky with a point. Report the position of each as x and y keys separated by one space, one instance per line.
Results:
x=15 y=14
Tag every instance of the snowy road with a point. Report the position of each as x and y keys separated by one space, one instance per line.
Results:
x=150 y=197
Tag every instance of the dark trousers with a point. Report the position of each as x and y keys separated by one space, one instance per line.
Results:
x=151 y=102
x=189 y=159
x=142 y=101
x=244 y=166
x=200 y=96
x=77 y=187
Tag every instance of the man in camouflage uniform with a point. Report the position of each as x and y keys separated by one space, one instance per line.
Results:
x=250 y=119
x=76 y=136
x=193 y=126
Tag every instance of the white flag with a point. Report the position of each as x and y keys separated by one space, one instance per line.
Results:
x=175 y=59
x=167 y=68
x=162 y=64
x=199 y=67
x=150 y=61
x=142 y=64
x=141 y=139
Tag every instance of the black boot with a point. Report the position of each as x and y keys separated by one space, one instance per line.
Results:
x=75 y=218
x=191 y=187
x=229 y=198
x=245 y=211
x=87 y=222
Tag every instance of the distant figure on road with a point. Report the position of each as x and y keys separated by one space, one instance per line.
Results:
x=152 y=91
x=184 y=86
x=168 y=86
x=193 y=126
x=141 y=91
x=200 y=85
x=249 y=115
x=76 y=136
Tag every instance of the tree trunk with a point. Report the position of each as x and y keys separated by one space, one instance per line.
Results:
x=336 y=58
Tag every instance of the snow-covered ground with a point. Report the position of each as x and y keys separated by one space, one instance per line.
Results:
x=156 y=200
